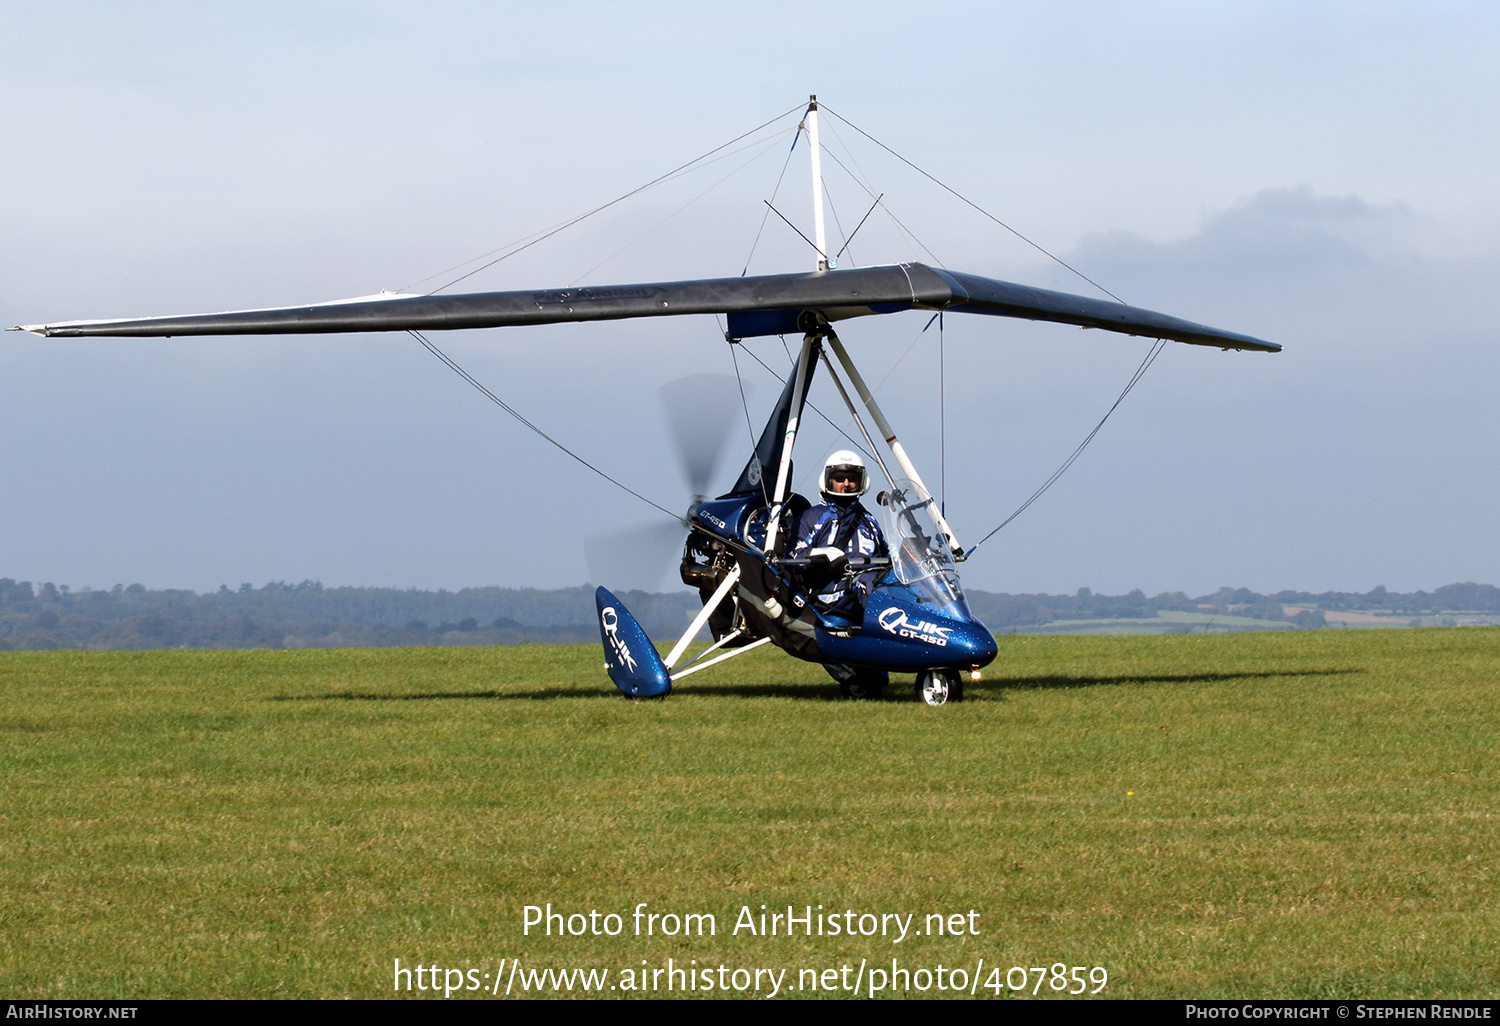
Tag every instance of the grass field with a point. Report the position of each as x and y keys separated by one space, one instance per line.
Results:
x=1291 y=814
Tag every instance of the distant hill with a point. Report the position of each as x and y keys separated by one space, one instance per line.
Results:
x=280 y=615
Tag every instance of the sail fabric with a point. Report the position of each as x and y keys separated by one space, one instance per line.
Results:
x=762 y=305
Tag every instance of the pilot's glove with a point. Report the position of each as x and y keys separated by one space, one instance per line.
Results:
x=834 y=558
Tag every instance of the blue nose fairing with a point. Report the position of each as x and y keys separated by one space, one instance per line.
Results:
x=904 y=628
x=900 y=634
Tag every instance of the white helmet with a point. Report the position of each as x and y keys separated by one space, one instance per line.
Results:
x=848 y=462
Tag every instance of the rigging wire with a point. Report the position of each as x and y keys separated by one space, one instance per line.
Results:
x=745 y=405
x=794 y=228
x=492 y=397
x=902 y=358
x=756 y=156
x=744 y=402
x=1145 y=365
x=899 y=361
x=1155 y=351
x=763 y=217
x=604 y=206
x=850 y=438
x=878 y=385
x=465 y=263
x=863 y=181
x=976 y=206
x=857 y=227
x=836 y=222
x=911 y=237
x=525 y=242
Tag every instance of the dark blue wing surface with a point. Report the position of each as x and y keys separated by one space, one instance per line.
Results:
x=766 y=305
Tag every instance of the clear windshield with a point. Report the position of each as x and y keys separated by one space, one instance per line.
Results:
x=920 y=556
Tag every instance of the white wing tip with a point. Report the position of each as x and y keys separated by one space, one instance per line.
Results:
x=377 y=297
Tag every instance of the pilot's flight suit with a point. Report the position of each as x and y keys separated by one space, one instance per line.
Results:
x=849 y=527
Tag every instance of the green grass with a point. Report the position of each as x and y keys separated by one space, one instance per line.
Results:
x=1290 y=814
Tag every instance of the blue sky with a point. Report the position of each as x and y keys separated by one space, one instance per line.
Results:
x=1320 y=174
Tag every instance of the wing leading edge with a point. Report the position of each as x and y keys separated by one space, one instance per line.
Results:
x=764 y=305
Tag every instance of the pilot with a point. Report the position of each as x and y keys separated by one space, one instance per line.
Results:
x=835 y=531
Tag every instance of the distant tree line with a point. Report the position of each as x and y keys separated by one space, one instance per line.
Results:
x=1000 y=611
x=281 y=615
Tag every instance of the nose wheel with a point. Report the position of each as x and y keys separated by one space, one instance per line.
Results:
x=939 y=687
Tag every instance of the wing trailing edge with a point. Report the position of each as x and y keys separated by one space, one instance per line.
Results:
x=765 y=305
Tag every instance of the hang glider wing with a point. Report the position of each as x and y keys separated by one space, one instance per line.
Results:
x=766 y=305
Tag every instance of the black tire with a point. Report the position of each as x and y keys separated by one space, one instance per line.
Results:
x=862 y=687
x=858 y=684
x=939 y=687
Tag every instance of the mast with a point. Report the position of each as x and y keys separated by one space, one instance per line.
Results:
x=819 y=239
x=807 y=362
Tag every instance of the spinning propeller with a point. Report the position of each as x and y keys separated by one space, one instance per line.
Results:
x=700 y=411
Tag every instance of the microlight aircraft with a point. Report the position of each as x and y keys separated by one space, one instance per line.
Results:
x=916 y=619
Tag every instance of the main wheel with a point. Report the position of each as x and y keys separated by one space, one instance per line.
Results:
x=862 y=687
x=858 y=683
x=939 y=687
